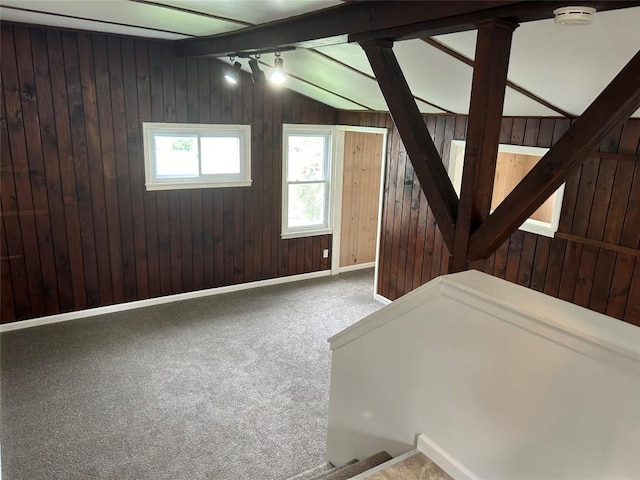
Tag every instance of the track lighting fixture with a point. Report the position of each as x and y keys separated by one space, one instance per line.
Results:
x=257 y=75
x=233 y=73
x=277 y=74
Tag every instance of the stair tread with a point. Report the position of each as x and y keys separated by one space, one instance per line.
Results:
x=323 y=475
x=354 y=469
x=313 y=473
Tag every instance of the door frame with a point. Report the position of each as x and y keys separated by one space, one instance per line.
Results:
x=338 y=173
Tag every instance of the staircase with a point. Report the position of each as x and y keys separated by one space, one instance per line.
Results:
x=350 y=469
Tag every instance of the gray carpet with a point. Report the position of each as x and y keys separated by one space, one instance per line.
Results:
x=229 y=387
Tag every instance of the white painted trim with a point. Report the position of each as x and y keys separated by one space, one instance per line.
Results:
x=394 y=310
x=382 y=299
x=456 y=164
x=445 y=461
x=383 y=168
x=328 y=130
x=574 y=327
x=337 y=201
x=354 y=128
x=63 y=317
x=550 y=319
x=239 y=131
x=360 y=266
x=388 y=463
x=337 y=217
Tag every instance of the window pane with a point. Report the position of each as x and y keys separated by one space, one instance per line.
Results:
x=306 y=158
x=176 y=156
x=220 y=155
x=306 y=204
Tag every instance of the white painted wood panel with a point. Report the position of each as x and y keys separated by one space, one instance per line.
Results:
x=509 y=382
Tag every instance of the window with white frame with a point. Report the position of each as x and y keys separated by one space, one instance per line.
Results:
x=183 y=155
x=306 y=180
x=512 y=164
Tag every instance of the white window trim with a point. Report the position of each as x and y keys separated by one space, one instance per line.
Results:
x=299 y=232
x=243 y=179
x=456 y=164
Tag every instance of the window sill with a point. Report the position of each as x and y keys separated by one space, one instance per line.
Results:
x=305 y=233
x=188 y=185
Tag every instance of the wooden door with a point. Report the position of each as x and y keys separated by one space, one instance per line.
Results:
x=360 y=197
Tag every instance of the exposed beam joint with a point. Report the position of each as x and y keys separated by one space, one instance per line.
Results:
x=488 y=86
x=617 y=102
x=423 y=154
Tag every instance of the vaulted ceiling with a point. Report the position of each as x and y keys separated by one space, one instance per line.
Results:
x=552 y=70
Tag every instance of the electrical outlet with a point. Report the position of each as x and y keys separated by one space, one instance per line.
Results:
x=325 y=253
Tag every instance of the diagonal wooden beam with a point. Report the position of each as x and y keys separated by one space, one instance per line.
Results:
x=617 y=102
x=488 y=86
x=423 y=154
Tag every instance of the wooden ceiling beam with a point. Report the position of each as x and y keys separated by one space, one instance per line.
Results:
x=488 y=87
x=333 y=25
x=617 y=102
x=517 y=13
x=423 y=154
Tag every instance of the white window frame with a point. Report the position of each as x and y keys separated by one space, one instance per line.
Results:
x=312 y=230
x=456 y=164
x=241 y=179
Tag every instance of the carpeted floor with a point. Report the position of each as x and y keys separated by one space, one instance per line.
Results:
x=228 y=387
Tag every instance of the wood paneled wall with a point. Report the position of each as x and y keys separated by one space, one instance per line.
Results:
x=79 y=230
x=362 y=160
x=601 y=204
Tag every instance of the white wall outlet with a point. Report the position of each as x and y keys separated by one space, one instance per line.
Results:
x=325 y=253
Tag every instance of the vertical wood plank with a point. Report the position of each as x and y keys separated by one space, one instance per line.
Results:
x=122 y=168
x=29 y=98
x=135 y=171
x=94 y=160
x=109 y=170
x=150 y=226
x=11 y=230
x=20 y=165
x=46 y=120
x=204 y=102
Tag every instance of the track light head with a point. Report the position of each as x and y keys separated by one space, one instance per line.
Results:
x=232 y=74
x=277 y=74
x=257 y=75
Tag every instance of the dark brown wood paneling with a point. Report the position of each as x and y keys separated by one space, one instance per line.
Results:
x=79 y=228
x=601 y=204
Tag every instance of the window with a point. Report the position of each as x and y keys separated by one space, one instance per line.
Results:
x=182 y=155
x=512 y=164
x=306 y=180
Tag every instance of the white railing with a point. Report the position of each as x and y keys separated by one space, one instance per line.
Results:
x=504 y=380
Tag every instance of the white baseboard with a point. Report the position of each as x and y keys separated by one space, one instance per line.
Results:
x=383 y=300
x=445 y=461
x=91 y=312
x=360 y=266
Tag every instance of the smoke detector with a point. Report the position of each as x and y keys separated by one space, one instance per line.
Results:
x=574 y=15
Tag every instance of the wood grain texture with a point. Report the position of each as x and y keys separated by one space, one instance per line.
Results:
x=79 y=228
x=360 y=193
x=601 y=207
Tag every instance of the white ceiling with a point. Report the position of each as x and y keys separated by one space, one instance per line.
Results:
x=566 y=66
